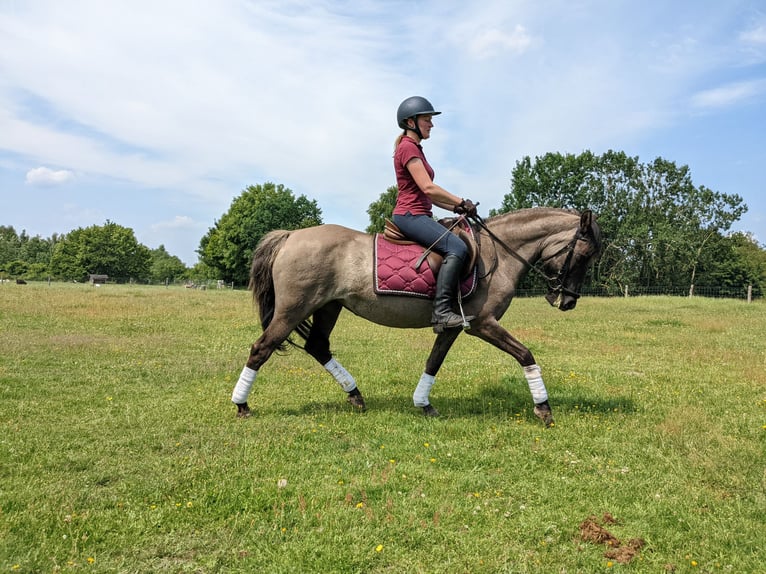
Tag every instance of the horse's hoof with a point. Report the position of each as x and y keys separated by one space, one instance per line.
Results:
x=430 y=411
x=357 y=401
x=543 y=412
x=243 y=411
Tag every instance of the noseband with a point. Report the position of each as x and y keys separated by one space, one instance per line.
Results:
x=556 y=285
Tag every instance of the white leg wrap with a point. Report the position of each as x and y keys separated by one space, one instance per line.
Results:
x=420 y=396
x=536 y=386
x=344 y=378
x=244 y=384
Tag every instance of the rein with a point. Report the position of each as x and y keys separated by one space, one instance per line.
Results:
x=555 y=284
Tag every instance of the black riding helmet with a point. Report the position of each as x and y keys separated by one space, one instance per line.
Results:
x=412 y=107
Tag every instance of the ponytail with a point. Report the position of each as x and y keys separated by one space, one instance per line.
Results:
x=399 y=139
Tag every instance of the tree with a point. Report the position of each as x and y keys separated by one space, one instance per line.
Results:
x=381 y=209
x=166 y=267
x=657 y=226
x=228 y=245
x=10 y=245
x=109 y=249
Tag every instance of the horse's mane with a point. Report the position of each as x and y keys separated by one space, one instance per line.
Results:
x=533 y=212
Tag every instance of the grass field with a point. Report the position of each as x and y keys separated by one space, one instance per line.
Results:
x=120 y=451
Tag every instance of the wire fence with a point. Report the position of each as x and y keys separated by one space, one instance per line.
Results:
x=746 y=292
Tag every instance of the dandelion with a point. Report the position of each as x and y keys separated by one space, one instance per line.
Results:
x=189 y=504
x=694 y=563
x=609 y=564
x=379 y=548
x=360 y=504
x=425 y=444
x=392 y=461
x=91 y=560
x=432 y=459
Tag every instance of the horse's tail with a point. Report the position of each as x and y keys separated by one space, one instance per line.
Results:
x=261 y=274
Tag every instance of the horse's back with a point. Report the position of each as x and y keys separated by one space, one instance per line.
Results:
x=330 y=257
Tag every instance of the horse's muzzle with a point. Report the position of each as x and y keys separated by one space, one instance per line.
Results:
x=563 y=301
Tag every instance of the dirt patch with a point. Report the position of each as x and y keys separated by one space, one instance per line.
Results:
x=592 y=530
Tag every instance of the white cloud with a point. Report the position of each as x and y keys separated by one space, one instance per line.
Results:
x=46 y=176
x=755 y=35
x=178 y=222
x=495 y=41
x=728 y=95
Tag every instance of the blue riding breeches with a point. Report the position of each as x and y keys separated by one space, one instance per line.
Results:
x=430 y=233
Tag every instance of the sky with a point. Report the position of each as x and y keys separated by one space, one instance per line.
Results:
x=156 y=115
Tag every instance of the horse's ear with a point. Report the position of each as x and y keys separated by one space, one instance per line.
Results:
x=586 y=219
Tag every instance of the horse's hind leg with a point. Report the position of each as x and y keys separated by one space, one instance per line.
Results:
x=271 y=339
x=318 y=346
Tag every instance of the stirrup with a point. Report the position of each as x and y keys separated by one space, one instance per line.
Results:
x=451 y=321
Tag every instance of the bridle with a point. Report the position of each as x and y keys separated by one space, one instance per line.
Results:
x=556 y=284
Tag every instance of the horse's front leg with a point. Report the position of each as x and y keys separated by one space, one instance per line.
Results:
x=439 y=351
x=493 y=333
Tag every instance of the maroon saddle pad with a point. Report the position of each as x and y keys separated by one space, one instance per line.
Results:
x=394 y=271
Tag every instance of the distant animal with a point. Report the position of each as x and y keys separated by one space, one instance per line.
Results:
x=20 y=282
x=302 y=279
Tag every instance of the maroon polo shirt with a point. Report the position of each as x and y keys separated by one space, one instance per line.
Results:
x=410 y=198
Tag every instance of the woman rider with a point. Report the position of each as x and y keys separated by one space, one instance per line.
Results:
x=413 y=211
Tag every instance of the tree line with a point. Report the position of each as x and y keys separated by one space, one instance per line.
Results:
x=660 y=231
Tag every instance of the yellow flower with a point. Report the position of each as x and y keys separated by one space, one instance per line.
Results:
x=379 y=548
x=425 y=444
x=91 y=560
x=189 y=504
x=360 y=504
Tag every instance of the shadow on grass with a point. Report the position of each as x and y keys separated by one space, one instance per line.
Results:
x=500 y=401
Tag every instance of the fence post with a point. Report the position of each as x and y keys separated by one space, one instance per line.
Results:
x=626 y=291
x=749 y=293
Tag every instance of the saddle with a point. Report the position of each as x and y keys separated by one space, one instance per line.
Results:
x=399 y=268
x=393 y=234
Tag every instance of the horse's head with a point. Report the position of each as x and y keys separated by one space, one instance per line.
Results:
x=566 y=266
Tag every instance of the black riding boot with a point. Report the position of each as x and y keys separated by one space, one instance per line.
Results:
x=443 y=316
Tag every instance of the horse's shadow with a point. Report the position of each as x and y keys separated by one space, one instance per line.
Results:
x=496 y=401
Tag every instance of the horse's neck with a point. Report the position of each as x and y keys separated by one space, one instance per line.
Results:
x=525 y=231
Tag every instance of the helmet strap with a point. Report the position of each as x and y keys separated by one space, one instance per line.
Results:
x=416 y=129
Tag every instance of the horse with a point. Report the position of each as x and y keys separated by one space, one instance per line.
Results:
x=302 y=279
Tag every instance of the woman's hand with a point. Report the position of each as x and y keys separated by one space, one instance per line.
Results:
x=466 y=207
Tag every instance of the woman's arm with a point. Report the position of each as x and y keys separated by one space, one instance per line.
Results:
x=438 y=195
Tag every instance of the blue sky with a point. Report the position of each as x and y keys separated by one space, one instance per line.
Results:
x=156 y=115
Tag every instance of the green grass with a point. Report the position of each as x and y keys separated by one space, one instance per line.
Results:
x=120 y=451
